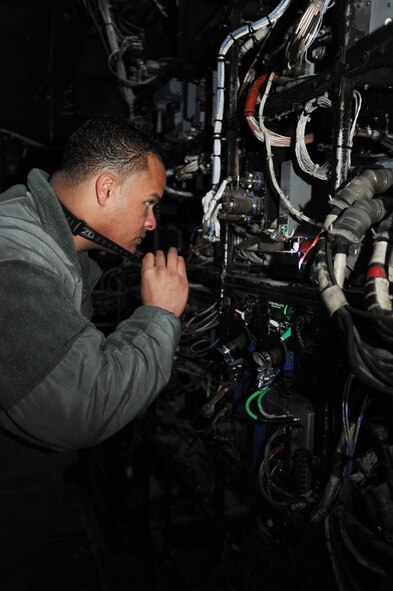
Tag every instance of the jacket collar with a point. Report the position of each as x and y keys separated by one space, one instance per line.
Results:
x=53 y=220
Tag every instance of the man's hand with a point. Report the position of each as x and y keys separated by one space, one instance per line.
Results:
x=164 y=281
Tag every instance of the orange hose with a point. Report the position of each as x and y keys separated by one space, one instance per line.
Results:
x=249 y=109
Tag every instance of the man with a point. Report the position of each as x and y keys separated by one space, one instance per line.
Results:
x=63 y=385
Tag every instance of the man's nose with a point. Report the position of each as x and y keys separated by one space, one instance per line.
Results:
x=150 y=221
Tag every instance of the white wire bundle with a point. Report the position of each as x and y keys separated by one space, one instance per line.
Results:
x=211 y=225
x=291 y=209
x=358 y=105
x=202 y=321
x=319 y=171
x=306 y=31
x=277 y=140
x=211 y=207
x=185 y=171
x=220 y=82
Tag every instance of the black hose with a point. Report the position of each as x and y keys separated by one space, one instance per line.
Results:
x=362 y=371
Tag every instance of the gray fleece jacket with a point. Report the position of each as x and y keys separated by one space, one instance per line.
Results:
x=63 y=384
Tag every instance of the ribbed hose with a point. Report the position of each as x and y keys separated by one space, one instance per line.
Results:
x=365 y=186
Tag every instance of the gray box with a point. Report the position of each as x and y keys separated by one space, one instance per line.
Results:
x=371 y=15
x=298 y=192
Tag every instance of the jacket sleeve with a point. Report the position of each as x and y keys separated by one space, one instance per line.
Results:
x=100 y=383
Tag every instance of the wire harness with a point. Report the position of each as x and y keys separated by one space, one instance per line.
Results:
x=211 y=228
x=319 y=171
x=355 y=211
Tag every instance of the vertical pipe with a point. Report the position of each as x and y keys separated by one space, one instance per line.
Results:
x=231 y=114
x=342 y=131
x=126 y=93
x=343 y=96
x=232 y=133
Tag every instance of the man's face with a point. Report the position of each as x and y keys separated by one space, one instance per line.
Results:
x=131 y=214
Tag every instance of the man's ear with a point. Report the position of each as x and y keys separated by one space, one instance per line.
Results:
x=104 y=187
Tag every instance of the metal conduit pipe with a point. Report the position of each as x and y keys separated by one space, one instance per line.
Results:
x=365 y=186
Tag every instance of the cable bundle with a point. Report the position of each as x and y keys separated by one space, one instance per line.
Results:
x=212 y=230
x=264 y=22
x=197 y=330
x=320 y=171
x=131 y=42
x=306 y=31
x=276 y=139
x=354 y=213
x=271 y=464
x=299 y=215
x=249 y=112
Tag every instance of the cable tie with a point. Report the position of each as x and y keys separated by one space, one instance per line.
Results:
x=221 y=57
x=376 y=271
x=252 y=32
x=346 y=147
x=232 y=37
x=269 y=22
x=384 y=239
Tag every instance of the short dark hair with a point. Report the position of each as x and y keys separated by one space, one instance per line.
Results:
x=107 y=143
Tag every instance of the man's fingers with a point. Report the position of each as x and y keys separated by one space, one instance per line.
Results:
x=172 y=261
x=148 y=261
x=181 y=267
x=160 y=259
x=165 y=284
x=172 y=258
